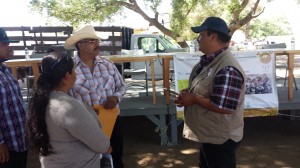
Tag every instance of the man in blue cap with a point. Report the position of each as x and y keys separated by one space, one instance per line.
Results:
x=13 y=148
x=214 y=99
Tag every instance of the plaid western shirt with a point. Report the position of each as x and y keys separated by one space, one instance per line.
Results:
x=227 y=85
x=94 y=88
x=12 y=112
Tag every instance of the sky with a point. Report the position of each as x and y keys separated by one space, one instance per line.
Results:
x=290 y=10
x=284 y=8
x=16 y=13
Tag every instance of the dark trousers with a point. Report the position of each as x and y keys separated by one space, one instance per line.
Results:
x=116 y=142
x=16 y=160
x=218 y=155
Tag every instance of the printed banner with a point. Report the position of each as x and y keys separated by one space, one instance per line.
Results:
x=259 y=66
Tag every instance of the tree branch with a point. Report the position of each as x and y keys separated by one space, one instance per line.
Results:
x=237 y=12
x=152 y=21
x=236 y=23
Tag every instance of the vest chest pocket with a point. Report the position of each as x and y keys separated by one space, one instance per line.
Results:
x=203 y=85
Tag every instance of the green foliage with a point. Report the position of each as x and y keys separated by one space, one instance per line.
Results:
x=75 y=12
x=153 y=4
x=180 y=17
x=181 y=20
x=234 y=5
x=273 y=27
x=186 y=13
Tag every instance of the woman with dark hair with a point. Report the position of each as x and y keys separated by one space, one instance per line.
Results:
x=65 y=131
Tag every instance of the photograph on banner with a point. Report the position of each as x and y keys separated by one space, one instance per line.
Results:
x=259 y=66
x=261 y=93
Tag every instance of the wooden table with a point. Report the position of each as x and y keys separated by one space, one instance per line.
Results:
x=138 y=58
x=291 y=60
x=158 y=115
x=34 y=63
x=166 y=59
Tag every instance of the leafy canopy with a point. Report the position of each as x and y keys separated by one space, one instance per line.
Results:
x=186 y=13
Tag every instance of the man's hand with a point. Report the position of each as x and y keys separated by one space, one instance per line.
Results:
x=178 y=99
x=184 y=91
x=111 y=102
x=4 y=153
x=185 y=99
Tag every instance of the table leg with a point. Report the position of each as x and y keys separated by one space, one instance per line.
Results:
x=14 y=72
x=163 y=130
x=160 y=121
x=36 y=72
x=153 y=81
x=163 y=73
x=166 y=78
x=173 y=123
x=291 y=75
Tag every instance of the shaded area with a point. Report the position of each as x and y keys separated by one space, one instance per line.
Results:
x=269 y=142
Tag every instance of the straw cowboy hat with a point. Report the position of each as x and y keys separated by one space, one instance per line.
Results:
x=80 y=33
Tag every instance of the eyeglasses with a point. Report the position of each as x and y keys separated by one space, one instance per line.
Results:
x=58 y=60
x=90 y=41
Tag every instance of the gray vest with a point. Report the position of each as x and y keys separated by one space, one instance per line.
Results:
x=208 y=126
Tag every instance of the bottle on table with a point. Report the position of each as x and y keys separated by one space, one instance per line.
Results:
x=27 y=56
x=135 y=49
x=192 y=46
x=293 y=43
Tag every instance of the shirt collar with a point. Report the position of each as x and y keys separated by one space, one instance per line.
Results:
x=78 y=61
x=206 y=59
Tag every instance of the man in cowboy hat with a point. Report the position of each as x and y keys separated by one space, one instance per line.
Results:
x=13 y=148
x=98 y=81
x=214 y=100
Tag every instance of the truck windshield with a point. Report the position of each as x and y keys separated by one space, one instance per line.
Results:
x=171 y=43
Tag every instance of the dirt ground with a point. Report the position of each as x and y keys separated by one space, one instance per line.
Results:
x=269 y=142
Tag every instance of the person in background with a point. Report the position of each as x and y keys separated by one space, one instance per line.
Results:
x=13 y=148
x=98 y=81
x=214 y=100
x=65 y=131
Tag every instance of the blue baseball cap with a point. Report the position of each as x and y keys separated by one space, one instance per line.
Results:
x=4 y=38
x=212 y=23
